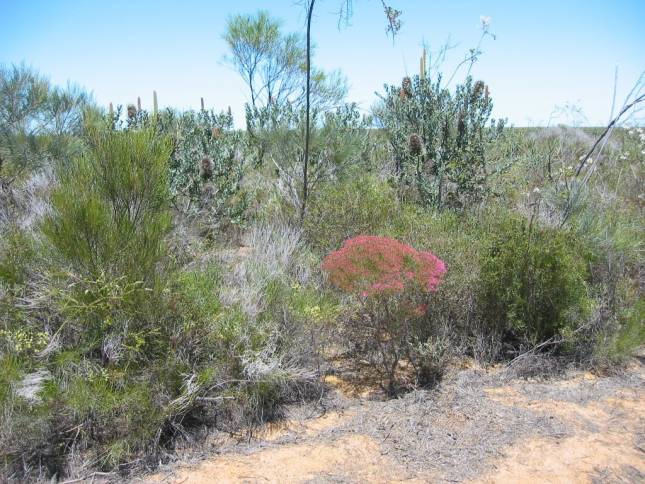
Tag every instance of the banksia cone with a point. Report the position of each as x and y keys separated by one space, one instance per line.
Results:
x=406 y=88
x=216 y=133
x=132 y=111
x=478 y=89
x=486 y=94
x=445 y=132
x=461 y=125
x=415 y=144
x=206 y=169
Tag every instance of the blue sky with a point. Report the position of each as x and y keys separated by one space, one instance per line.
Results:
x=547 y=53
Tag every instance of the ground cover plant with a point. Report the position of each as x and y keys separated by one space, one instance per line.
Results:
x=163 y=274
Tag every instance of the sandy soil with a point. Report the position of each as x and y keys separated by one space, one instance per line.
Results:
x=478 y=426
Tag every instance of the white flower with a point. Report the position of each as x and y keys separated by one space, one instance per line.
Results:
x=590 y=160
x=536 y=190
x=485 y=20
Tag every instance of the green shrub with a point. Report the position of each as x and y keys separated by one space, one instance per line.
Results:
x=10 y=371
x=453 y=316
x=17 y=251
x=110 y=207
x=631 y=334
x=533 y=279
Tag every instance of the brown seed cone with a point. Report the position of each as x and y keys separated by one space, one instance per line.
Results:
x=461 y=125
x=206 y=169
x=415 y=144
x=478 y=90
x=406 y=86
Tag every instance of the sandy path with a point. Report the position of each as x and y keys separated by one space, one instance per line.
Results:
x=476 y=427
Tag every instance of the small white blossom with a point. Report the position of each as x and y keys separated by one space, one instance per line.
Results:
x=536 y=190
x=590 y=160
x=485 y=20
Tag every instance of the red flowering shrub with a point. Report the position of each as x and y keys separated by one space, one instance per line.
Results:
x=392 y=281
x=369 y=265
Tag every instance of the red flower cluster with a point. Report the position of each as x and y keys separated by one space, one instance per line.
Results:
x=370 y=265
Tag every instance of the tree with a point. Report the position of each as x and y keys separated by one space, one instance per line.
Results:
x=273 y=64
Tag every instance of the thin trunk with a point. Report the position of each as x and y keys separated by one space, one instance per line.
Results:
x=305 y=164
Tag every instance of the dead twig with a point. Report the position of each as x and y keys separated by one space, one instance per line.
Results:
x=90 y=476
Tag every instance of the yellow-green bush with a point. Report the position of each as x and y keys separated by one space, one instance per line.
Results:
x=363 y=205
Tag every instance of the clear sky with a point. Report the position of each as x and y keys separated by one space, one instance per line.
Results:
x=547 y=53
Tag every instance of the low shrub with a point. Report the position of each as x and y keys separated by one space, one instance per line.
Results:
x=17 y=251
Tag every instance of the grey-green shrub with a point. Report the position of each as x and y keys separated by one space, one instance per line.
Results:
x=439 y=139
x=206 y=167
x=339 y=142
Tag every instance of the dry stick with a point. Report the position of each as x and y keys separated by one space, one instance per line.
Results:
x=607 y=129
x=308 y=109
x=552 y=341
x=213 y=399
x=90 y=476
x=602 y=137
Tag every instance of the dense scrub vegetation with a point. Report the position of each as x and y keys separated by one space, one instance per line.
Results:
x=157 y=277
